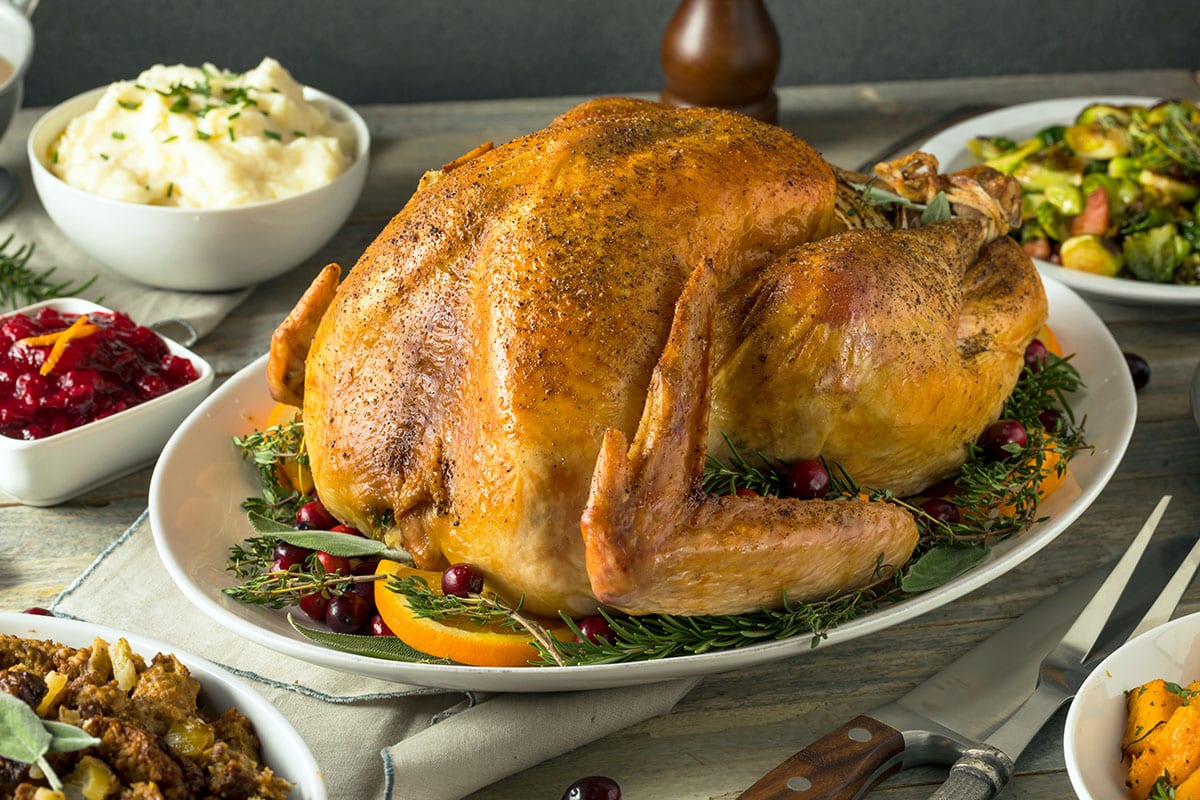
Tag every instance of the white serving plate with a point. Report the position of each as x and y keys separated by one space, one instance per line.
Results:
x=1096 y=720
x=1022 y=121
x=282 y=748
x=45 y=472
x=200 y=481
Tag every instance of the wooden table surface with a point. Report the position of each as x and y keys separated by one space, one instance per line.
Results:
x=734 y=727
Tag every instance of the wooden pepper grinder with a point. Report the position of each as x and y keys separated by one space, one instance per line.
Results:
x=722 y=53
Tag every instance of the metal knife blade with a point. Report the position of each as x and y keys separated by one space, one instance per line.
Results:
x=967 y=700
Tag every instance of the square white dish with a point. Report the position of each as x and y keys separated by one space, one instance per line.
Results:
x=45 y=472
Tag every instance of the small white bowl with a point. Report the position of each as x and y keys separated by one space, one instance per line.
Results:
x=284 y=751
x=1096 y=720
x=44 y=472
x=199 y=250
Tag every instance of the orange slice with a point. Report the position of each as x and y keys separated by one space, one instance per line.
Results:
x=1051 y=478
x=1047 y=337
x=460 y=640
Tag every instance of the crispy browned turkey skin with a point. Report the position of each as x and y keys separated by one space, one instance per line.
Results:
x=538 y=349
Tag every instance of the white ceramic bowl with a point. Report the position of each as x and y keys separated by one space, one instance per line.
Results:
x=16 y=47
x=202 y=250
x=284 y=751
x=44 y=472
x=1096 y=720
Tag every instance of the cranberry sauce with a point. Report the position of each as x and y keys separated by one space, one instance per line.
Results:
x=117 y=365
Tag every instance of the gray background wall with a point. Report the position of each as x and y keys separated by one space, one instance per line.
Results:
x=372 y=51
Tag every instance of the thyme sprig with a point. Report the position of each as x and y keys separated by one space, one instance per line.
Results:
x=267 y=450
x=21 y=285
x=262 y=585
x=483 y=609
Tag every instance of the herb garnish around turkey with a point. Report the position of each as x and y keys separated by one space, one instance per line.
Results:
x=20 y=285
x=267 y=449
x=995 y=497
x=263 y=584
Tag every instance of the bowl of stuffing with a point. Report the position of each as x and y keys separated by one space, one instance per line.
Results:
x=124 y=710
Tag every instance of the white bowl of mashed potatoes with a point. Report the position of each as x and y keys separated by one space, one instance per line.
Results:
x=200 y=179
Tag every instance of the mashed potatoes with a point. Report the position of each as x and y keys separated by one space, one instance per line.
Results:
x=200 y=137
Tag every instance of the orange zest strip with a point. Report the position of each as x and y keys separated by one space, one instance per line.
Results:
x=59 y=340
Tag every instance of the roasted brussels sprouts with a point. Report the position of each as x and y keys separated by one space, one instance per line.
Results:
x=1091 y=253
x=1153 y=255
x=1115 y=192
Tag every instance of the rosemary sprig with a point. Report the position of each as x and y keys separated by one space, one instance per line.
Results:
x=267 y=450
x=721 y=478
x=659 y=636
x=20 y=285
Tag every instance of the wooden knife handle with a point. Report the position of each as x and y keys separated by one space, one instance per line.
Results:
x=838 y=766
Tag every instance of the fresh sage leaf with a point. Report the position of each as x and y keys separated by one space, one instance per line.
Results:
x=266 y=526
x=332 y=542
x=938 y=209
x=385 y=647
x=942 y=565
x=23 y=737
x=68 y=738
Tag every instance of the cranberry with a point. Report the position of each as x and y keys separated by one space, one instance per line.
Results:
x=346 y=529
x=942 y=511
x=807 y=479
x=1139 y=370
x=314 y=606
x=595 y=629
x=744 y=492
x=365 y=589
x=347 y=613
x=379 y=628
x=314 y=515
x=461 y=580
x=1051 y=419
x=282 y=564
x=333 y=564
x=291 y=552
x=38 y=611
x=593 y=787
x=1035 y=355
x=944 y=488
x=1000 y=435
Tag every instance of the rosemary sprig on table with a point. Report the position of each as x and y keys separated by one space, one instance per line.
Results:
x=21 y=285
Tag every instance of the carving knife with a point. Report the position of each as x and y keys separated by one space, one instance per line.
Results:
x=954 y=712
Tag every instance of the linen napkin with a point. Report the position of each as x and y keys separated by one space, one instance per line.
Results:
x=29 y=224
x=432 y=744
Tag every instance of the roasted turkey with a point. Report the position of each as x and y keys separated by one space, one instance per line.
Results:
x=528 y=366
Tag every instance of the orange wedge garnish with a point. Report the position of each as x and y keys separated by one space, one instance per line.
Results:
x=460 y=640
x=1047 y=337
